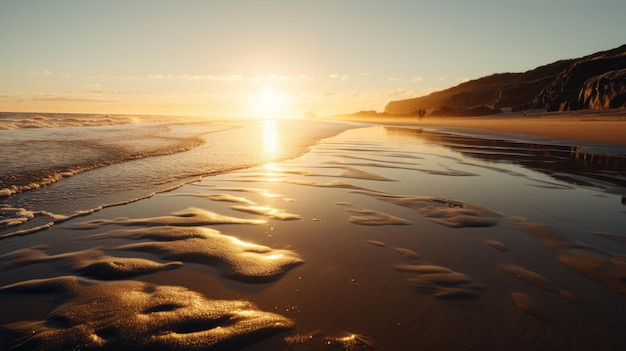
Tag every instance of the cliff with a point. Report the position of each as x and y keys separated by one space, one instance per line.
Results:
x=592 y=82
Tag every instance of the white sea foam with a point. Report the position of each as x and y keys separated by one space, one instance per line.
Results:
x=15 y=120
x=74 y=164
x=40 y=157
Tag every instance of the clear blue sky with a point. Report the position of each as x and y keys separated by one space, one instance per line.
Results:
x=278 y=57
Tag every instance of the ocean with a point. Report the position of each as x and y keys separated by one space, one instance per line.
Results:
x=59 y=166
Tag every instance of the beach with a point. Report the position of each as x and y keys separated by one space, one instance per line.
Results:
x=597 y=126
x=502 y=233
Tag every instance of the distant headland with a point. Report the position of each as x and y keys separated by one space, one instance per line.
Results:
x=596 y=81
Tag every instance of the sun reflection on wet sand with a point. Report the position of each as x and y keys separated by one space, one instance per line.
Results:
x=271 y=139
x=272 y=167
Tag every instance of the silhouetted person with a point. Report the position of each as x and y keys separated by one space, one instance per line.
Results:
x=421 y=113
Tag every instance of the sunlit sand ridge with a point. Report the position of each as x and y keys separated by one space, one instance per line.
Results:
x=190 y=216
x=238 y=259
x=91 y=263
x=136 y=315
x=353 y=246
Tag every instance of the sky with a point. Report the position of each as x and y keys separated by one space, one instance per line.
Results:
x=278 y=58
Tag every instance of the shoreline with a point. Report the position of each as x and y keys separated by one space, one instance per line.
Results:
x=595 y=127
x=256 y=146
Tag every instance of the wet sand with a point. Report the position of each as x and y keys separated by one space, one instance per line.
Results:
x=380 y=238
x=603 y=126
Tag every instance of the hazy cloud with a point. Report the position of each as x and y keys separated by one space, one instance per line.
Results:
x=112 y=92
x=11 y=94
x=66 y=98
x=159 y=76
x=373 y=94
x=414 y=79
x=399 y=93
x=225 y=78
x=101 y=76
x=337 y=76
x=126 y=77
x=43 y=73
x=271 y=78
x=105 y=76
x=11 y=97
x=281 y=78
x=187 y=76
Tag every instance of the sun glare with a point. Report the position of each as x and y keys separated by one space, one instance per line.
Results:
x=271 y=139
x=269 y=104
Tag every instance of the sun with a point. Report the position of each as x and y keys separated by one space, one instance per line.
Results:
x=268 y=104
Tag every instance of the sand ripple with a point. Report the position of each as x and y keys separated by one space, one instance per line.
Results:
x=370 y=217
x=262 y=192
x=268 y=212
x=496 y=245
x=438 y=281
x=132 y=315
x=422 y=268
x=332 y=184
x=445 y=285
x=217 y=197
x=531 y=277
x=347 y=172
x=237 y=259
x=188 y=217
x=600 y=266
x=526 y=304
x=448 y=212
x=92 y=263
x=539 y=281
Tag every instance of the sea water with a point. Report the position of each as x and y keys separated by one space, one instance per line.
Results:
x=57 y=166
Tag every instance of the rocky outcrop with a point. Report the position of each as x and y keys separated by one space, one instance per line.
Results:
x=606 y=90
x=591 y=82
x=563 y=93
